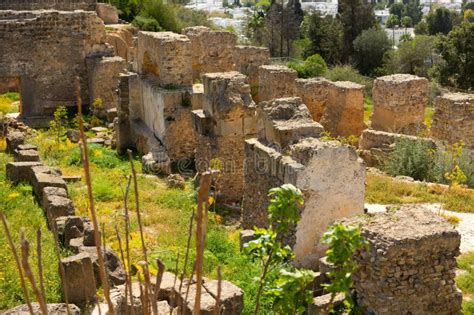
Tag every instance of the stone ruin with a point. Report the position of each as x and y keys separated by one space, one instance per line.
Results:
x=453 y=119
x=288 y=150
x=410 y=264
x=399 y=103
x=275 y=81
x=45 y=68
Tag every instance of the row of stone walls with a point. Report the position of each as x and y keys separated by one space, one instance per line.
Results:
x=63 y=5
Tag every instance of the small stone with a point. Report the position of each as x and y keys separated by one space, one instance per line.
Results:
x=26 y=156
x=72 y=178
x=175 y=181
x=245 y=237
x=73 y=135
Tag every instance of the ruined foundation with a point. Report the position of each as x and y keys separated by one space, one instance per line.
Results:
x=399 y=103
x=226 y=120
x=248 y=59
x=453 y=119
x=275 y=81
x=410 y=265
x=315 y=94
x=330 y=175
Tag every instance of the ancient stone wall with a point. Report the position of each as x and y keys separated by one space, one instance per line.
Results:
x=248 y=59
x=275 y=81
x=212 y=51
x=399 y=103
x=410 y=265
x=107 y=12
x=48 y=65
x=65 y=5
x=344 y=112
x=315 y=93
x=453 y=119
x=166 y=56
x=122 y=38
x=226 y=120
x=330 y=175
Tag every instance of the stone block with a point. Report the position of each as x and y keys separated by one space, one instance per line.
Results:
x=53 y=309
x=20 y=171
x=27 y=147
x=79 y=278
x=321 y=304
x=275 y=81
x=399 y=103
x=245 y=237
x=56 y=206
x=14 y=139
x=248 y=59
x=314 y=93
x=108 y=13
x=231 y=296
x=115 y=272
x=208 y=303
x=41 y=180
x=26 y=156
x=202 y=124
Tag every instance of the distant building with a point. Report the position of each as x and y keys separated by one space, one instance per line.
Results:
x=382 y=15
x=325 y=7
x=398 y=32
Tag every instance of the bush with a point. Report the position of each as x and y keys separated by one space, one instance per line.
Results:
x=313 y=66
x=147 y=24
x=348 y=73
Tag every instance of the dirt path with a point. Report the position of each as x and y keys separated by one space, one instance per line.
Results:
x=465 y=226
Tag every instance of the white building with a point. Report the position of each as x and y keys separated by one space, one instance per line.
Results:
x=325 y=7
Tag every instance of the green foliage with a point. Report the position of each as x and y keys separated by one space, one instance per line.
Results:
x=406 y=21
x=147 y=24
x=369 y=49
x=409 y=9
x=313 y=66
x=283 y=208
x=392 y=21
x=343 y=242
x=348 y=73
x=457 y=49
x=421 y=28
x=100 y=157
x=440 y=21
x=59 y=122
x=6 y=103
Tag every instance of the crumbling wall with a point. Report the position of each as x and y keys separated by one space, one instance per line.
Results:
x=212 y=51
x=64 y=5
x=248 y=59
x=330 y=175
x=46 y=50
x=399 y=103
x=226 y=120
x=275 y=81
x=344 y=112
x=410 y=264
x=315 y=93
x=453 y=119
x=107 y=12
x=123 y=38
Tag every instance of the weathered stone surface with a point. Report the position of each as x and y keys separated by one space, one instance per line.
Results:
x=212 y=51
x=284 y=121
x=232 y=297
x=26 y=156
x=107 y=12
x=344 y=112
x=399 y=103
x=64 y=5
x=115 y=271
x=20 y=171
x=248 y=59
x=245 y=237
x=411 y=259
x=208 y=303
x=56 y=206
x=275 y=81
x=453 y=119
x=167 y=56
x=315 y=95
x=49 y=64
x=41 y=180
x=53 y=309
x=321 y=304
x=79 y=278
x=27 y=147
x=175 y=181
x=14 y=139
x=73 y=135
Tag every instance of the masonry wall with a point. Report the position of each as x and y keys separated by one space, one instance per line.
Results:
x=453 y=119
x=314 y=93
x=48 y=65
x=66 y=5
x=248 y=59
x=275 y=81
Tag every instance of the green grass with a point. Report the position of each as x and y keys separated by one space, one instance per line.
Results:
x=465 y=281
x=23 y=214
x=368 y=108
x=6 y=102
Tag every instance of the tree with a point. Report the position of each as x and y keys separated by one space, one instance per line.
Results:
x=324 y=37
x=392 y=22
x=294 y=17
x=469 y=15
x=355 y=16
x=421 y=28
x=397 y=9
x=313 y=66
x=457 y=50
x=406 y=22
x=369 y=49
x=439 y=21
x=411 y=8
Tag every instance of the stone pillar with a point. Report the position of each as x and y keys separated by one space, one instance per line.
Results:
x=79 y=278
x=453 y=119
x=226 y=120
x=399 y=103
x=247 y=59
x=212 y=51
x=275 y=81
x=123 y=131
x=344 y=113
x=314 y=92
x=410 y=264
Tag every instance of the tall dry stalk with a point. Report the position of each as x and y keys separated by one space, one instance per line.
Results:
x=217 y=309
x=159 y=278
x=127 y=242
x=95 y=223
x=57 y=248
x=17 y=261
x=188 y=245
x=25 y=254
x=203 y=195
x=40 y=262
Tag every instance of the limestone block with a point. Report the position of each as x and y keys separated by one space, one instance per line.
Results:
x=315 y=95
x=344 y=112
x=20 y=171
x=399 y=103
x=212 y=51
x=231 y=296
x=208 y=303
x=248 y=59
x=275 y=81
x=411 y=258
x=285 y=121
x=202 y=124
x=321 y=304
x=79 y=278
x=26 y=156
x=108 y=13
x=53 y=309
x=197 y=98
x=114 y=268
x=14 y=139
x=42 y=180
x=453 y=119
x=57 y=206
x=27 y=147
x=165 y=55
x=245 y=237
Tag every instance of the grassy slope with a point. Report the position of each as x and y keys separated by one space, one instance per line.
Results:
x=465 y=281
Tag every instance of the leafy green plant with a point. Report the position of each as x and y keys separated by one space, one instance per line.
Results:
x=59 y=122
x=287 y=287
x=313 y=66
x=344 y=241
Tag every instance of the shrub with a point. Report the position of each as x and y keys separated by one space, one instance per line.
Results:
x=313 y=66
x=348 y=73
x=147 y=24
